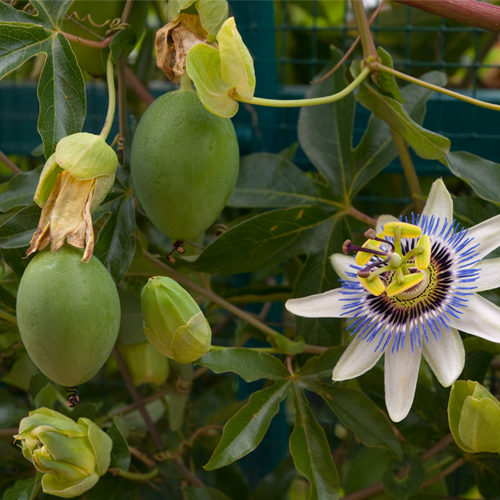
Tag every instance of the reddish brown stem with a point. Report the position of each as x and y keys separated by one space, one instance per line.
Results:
x=138 y=87
x=9 y=164
x=89 y=43
x=471 y=12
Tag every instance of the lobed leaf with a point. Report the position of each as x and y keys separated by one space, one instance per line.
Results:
x=120 y=453
x=311 y=452
x=358 y=413
x=249 y=365
x=243 y=433
x=19 y=190
x=17 y=231
x=263 y=241
x=23 y=489
x=271 y=180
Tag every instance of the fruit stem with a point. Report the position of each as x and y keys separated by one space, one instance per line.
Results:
x=186 y=82
x=112 y=98
x=276 y=103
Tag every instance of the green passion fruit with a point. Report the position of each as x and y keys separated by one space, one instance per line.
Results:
x=88 y=19
x=184 y=164
x=68 y=314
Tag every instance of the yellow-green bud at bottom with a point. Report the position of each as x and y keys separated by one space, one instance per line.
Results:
x=173 y=322
x=474 y=417
x=145 y=364
x=71 y=455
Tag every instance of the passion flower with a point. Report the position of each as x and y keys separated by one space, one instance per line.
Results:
x=407 y=291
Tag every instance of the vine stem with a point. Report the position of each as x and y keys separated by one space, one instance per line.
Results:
x=294 y=103
x=409 y=170
x=357 y=214
x=369 y=50
x=351 y=48
x=9 y=164
x=112 y=98
x=136 y=476
x=8 y=317
x=149 y=423
x=376 y=66
x=88 y=43
x=217 y=299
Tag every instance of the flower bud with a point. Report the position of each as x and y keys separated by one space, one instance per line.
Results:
x=145 y=364
x=71 y=455
x=474 y=416
x=173 y=322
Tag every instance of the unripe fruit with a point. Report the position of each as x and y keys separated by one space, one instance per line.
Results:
x=93 y=59
x=184 y=164
x=68 y=314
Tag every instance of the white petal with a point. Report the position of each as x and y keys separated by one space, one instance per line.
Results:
x=322 y=305
x=480 y=318
x=439 y=202
x=383 y=220
x=342 y=265
x=401 y=372
x=487 y=234
x=446 y=356
x=489 y=275
x=357 y=359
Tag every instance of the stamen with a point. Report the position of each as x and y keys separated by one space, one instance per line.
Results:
x=409 y=281
x=407 y=230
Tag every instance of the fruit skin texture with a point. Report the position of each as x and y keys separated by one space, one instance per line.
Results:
x=89 y=58
x=184 y=164
x=68 y=314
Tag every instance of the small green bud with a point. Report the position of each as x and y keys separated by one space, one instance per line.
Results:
x=474 y=417
x=145 y=364
x=71 y=455
x=173 y=322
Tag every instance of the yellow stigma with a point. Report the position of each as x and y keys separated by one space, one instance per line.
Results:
x=375 y=286
x=409 y=281
x=423 y=259
x=407 y=230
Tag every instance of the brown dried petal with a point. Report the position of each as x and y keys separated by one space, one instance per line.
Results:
x=66 y=216
x=173 y=43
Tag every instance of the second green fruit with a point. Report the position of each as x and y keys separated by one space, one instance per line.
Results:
x=184 y=164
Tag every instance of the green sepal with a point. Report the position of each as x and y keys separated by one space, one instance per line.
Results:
x=86 y=156
x=47 y=181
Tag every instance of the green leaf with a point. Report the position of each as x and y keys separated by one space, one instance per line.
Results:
x=21 y=373
x=20 y=42
x=376 y=148
x=50 y=13
x=17 y=231
x=121 y=40
x=213 y=13
x=243 y=433
x=115 y=246
x=426 y=144
x=46 y=396
x=249 y=365
x=481 y=174
x=205 y=493
x=318 y=276
x=257 y=293
x=487 y=471
x=10 y=413
x=325 y=132
x=271 y=180
x=120 y=454
x=19 y=191
x=358 y=413
x=318 y=367
x=311 y=451
x=471 y=211
x=287 y=346
x=263 y=241
x=16 y=259
x=22 y=490
x=174 y=8
x=203 y=65
x=277 y=483
x=409 y=483
x=61 y=92
x=7 y=298
x=9 y=14
x=385 y=81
